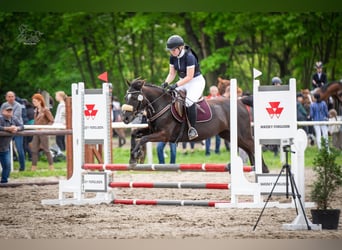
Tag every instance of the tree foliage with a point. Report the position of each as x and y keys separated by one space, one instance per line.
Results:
x=78 y=46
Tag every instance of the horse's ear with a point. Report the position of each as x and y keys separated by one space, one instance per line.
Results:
x=128 y=83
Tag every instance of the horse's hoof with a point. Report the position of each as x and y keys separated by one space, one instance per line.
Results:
x=228 y=167
x=132 y=164
x=265 y=170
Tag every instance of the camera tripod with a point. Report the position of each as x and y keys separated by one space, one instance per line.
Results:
x=294 y=189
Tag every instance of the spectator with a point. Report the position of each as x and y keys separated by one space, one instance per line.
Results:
x=160 y=152
x=192 y=146
x=19 y=140
x=276 y=81
x=319 y=112
x=11 y=124
x=42 y=116
x=60 y=97
x=301 y=112
x=307 y=100
x=30 y=121
x=335 y=130
x=116 y=109
x=214 y=93
x=319 y=78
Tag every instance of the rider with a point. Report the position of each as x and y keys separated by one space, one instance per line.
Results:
x=184 y=62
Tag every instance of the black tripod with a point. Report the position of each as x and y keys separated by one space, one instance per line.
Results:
x=294 y=189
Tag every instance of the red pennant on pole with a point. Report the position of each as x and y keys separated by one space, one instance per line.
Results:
x=103 y=77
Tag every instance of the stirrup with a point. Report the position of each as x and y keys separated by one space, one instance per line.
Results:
x=192 y=133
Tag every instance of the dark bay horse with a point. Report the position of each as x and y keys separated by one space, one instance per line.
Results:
x=334 y=90
x=156 y=101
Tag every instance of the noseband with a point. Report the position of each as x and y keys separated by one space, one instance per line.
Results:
x=140 y=107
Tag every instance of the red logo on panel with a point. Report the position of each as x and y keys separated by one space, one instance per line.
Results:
x=274 y=109
x=90 y=112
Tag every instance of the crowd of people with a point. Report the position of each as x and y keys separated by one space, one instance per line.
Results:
x=16 y=112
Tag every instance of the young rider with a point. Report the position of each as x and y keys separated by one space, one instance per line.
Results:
x=184 y=62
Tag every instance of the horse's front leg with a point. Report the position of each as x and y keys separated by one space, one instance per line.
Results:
x=135 y=148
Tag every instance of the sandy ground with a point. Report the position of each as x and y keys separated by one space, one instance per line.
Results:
x=23 y=216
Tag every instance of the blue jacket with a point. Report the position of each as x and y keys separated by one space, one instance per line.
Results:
x=319 y=111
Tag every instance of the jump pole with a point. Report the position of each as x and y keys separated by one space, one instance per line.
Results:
x=193 y=167
x=202 y=203
x=176 y=185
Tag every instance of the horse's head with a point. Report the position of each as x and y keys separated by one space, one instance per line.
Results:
x=222 y=84
x=135 y=100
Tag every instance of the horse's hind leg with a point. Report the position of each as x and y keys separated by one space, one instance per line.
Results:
x=248 y=146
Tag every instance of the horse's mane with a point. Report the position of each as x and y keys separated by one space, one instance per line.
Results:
x=138 y=80
x=153 y=85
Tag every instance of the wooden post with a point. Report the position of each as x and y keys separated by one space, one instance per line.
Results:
x=69 y=150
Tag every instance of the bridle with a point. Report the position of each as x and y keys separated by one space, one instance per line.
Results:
x=141 y=97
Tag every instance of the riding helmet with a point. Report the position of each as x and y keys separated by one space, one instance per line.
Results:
x=174 y=42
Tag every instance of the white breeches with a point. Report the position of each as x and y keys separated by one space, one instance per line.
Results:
x=194 y=90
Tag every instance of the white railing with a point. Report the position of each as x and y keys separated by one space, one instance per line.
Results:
x=144 y=125
x=114 y=125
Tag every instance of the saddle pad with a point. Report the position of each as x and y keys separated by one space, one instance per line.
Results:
x=204 y=113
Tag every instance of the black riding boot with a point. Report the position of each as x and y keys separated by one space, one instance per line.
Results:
x=192 y=116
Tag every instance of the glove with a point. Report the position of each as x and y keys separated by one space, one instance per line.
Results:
x=164 y=85
x=173 y=86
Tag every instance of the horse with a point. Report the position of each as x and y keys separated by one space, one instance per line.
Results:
x=222 y=84
x=162 y=126
x=332 y=89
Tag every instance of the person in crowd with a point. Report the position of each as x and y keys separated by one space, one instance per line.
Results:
x=42 y=116
x=319 y=78
x=116 y=109
x=213 y=94
x=319 y=112
x=183 y=60
x=276 y=81
x=160 y=152
x=301 y=112
x=60 y=117
x=184 y=148
x=19 y=140
x=307 y=100
x=11 y=124
x=335 y=130
x=30 y=121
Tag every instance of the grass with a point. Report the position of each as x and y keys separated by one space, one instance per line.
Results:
x=121 y=155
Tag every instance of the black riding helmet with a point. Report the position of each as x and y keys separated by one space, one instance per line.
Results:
x=174 y=42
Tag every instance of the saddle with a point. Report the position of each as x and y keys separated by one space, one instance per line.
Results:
x=178 y=111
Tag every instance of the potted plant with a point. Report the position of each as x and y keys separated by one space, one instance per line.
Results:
x=328 y=180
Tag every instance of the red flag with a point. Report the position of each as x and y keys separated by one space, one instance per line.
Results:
x=103 y=77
